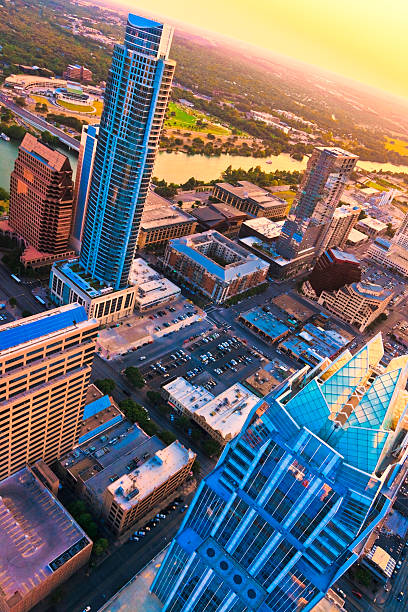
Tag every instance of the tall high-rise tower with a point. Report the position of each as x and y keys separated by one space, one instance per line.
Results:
x=294 y=497
x=136 y=98
x=318 y=195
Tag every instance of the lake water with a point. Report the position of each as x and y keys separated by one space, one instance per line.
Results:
x=179 y=167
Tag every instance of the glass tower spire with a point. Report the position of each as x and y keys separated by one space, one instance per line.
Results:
x=136 y=98
x=294 y=497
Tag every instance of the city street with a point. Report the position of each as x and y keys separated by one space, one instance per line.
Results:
x=98 y=585
x=21 y=292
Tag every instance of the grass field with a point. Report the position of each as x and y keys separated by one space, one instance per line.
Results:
x=289 y=196
x=78 y=108
x=192 y=120
x=394 y=144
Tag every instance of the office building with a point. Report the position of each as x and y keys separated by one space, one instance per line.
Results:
x=130 y=497
x=161 y=221
x=146 y=289
x=392 y=254
x=41 y=545
x=373 y=228
x=41 y=201
x=359 y=304
x=295 y=496
x=136 y=98
x=222 y=417
x=333 y=270
x=45 y=366
x=250 y=198
x=76 y=72
x=313 y=208
x=342 y=222
x=214 y=265
x=86 y=158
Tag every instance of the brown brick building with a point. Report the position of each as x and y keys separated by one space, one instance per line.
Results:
x=213 y=265
x=41 y=197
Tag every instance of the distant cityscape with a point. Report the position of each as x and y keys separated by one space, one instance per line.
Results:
x=203 y=392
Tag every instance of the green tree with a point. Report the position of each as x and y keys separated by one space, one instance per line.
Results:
x=363 y=576
x=168 y=437
x=135 y=377
x=4 y=195
x=196 y=469
x=362 y=215
x=20 y=101
x=13 y=302
x=100 y=546
x=26 y=313
x=211 y=447
x=106 y=385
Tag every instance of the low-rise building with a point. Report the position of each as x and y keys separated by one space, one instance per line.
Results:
x=358 y=304
x=161 y=221
x=113 y=450
x=265 y=324
x=262 y=228
x=147 y=289
x=371 y=227
x=213 y=265
x=131 y=496
x=41 y=545
x=220 y=217
x=76 y=72
x=313 y=344
x=222 y=417
x=152 y=289
x=251 y=199
x=355 y=237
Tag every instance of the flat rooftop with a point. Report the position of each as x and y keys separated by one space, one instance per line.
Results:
x=372 y=223
x=159 y=212
x=99 y=414
x=265 y=322
x=228 y=412
x=151 y=286
x=292 y=307
x=23 y=331
x=268 y=228
x=244 y=189
x=110 y=455
x=198 y=248
x=138 y=484
x=190 y=396
x=355 y=236
x=37 y=535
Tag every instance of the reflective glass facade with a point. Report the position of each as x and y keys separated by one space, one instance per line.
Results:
x=136 y=99
x=292 y=498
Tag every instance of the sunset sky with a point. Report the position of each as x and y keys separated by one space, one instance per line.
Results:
x=366 y=40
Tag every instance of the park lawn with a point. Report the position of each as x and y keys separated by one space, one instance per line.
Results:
x=79 y=108
x=185 y=119
x=394 y=144
x=289 y=196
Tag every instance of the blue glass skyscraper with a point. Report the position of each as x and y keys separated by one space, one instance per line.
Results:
x=136 y=98
x=295 y=496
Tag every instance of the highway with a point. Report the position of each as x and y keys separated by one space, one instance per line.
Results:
x=39 y=123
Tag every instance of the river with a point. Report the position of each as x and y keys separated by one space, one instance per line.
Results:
x=179 y=167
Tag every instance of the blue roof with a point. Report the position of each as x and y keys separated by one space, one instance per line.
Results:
x=383 y=243
x=266 y=322
x=345 y=256
x=141 y=22
x=97 y=406
x=50 y=322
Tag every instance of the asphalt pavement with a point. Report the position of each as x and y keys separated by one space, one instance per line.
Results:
x=39 y=122
x=95 y=586
x=20 y=291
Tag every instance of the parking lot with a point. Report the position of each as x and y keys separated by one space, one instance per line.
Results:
x=139 y=329
x=216 y=361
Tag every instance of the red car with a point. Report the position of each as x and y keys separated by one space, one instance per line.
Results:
x=357 y=594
